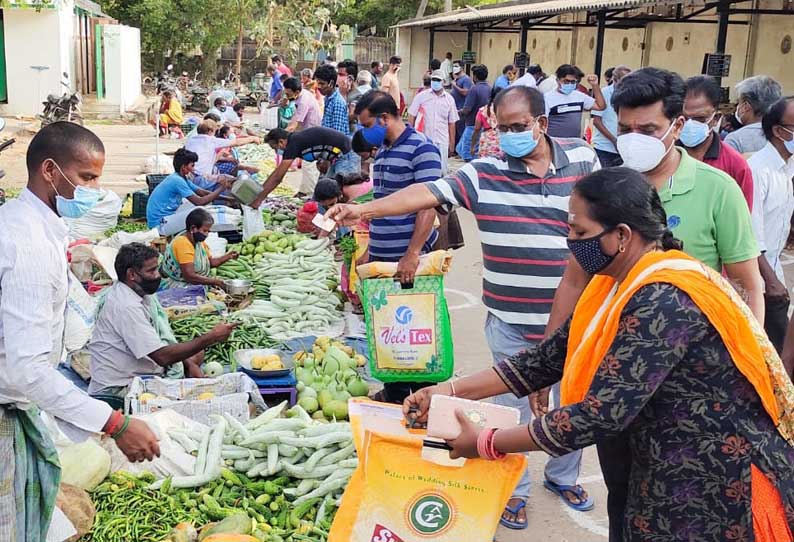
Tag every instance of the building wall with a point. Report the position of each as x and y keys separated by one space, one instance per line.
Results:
x=52 y=47
x=122 y=51
x=755 y=48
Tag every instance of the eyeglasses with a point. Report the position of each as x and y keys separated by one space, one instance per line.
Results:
x=517 y=128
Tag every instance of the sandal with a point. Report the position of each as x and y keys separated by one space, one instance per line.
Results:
x=563 y=492
x=514 y=523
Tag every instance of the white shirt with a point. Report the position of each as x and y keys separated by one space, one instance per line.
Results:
x=526 y=80
x=547 y=85
x=205 y=146
x=773 y=203
x=446 y=68
x=226 y=116
x=33 y=290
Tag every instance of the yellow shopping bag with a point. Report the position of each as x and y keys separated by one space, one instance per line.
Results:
x=396 y=495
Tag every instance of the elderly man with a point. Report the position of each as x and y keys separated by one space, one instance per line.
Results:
x=438 y=114
x=756 y=96
x=226 y=113
x=773 y=206
x=206 y=145
x=132 y=336
x=64 y=165
x=605 y=123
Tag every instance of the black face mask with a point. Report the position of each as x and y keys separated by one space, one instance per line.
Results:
x=149 y=286
x=199 y=237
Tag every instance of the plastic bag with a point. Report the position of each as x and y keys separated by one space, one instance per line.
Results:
x=158 y=165
x=305 y=215
x=408 y=330
x=103 y=216
x=81 y=311
x=253 y=222
x=401 y=493
x=216 y=244
x=121 y=238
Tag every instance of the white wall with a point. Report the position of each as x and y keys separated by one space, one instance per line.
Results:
x=122 y=51
x=36 y=39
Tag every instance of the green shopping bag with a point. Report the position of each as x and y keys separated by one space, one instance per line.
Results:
x=408 y=331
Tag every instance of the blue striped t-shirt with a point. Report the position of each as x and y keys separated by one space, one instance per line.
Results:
x=411 y=159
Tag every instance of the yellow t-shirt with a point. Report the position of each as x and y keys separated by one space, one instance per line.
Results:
x=184 y=251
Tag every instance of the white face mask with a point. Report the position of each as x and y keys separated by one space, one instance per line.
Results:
x=642 y=152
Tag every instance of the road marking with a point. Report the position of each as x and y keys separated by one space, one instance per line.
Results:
x=470 y=299
x=586 y=520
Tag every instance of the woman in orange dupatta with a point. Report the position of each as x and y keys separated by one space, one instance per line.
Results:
x=665 y=369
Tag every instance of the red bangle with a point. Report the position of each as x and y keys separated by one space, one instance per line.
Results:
x=482 y=450
x=115 y=422
x=492 y=451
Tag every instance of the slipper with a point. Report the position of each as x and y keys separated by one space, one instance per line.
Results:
x=513 y=524
x=560 y=490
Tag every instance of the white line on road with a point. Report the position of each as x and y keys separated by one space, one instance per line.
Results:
x=471 y=300
x=586 y=520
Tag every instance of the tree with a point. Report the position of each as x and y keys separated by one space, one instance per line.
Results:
x=382 y=15
x=247 y=11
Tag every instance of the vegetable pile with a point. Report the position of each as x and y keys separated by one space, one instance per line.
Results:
x=246 y=335
x=269 y=241
x=127 y=227
x=302 y=287
x=327 y=378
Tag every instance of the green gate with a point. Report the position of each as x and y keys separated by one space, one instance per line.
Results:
x=3 y=85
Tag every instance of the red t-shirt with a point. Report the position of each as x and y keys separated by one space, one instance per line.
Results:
x=727 y=159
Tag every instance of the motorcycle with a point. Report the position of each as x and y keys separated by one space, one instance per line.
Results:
x=62 y=108
x=3 y=147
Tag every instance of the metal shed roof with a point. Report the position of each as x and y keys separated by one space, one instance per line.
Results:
x=524 y=9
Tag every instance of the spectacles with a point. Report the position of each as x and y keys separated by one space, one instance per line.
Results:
x=704 y=120
x=517 y=128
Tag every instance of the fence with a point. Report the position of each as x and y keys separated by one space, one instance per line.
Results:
x=371 y=48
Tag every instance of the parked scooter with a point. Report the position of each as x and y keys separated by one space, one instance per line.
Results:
x=3 y=147
x=63 y=108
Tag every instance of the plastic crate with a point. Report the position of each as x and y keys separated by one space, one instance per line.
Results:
x=153 y=180
x=139 y=201
x=187 y=128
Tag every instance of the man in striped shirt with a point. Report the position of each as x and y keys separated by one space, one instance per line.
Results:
x=521 y=206
x=405 y=158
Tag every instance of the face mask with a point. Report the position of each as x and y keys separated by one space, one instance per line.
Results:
x=199 y=237
x=589 y=254
x=456 y=70
x=567 y=88
x=436 y=85
x=375 y=135
x=222 y=109
x=83 y=200
x=518 y=145
x=694 y=133
x=642 y=152
x=280 y=152
x=789 y=144
x=363 y=89
x=149 y=286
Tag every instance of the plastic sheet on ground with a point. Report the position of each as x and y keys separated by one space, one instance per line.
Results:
x=232 y=391
x=173 y=460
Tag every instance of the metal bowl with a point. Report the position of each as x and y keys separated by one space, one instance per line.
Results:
x=237 y=286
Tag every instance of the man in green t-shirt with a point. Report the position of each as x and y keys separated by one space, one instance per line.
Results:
x=705 y=209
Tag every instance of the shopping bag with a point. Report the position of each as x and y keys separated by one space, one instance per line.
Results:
x=253 y=222
x=397 y=495
x=408 y=330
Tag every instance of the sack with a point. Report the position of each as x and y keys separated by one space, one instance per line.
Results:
x=158 y=165
x=253 y=222
x=81 y=310
x=216 y=244
x=408 y=330
x=76 y=505
x=397 y=495
x=103 y=216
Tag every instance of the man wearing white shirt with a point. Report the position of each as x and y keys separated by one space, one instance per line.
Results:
x=439 y=115
x=773 y=206
x=226 y=113
x=64 y=163
x=446 y=69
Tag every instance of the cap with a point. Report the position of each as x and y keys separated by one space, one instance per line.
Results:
x=437 y=74
x=364 y=77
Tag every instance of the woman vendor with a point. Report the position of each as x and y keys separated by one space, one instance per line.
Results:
x=187 y=258
x=665 y=369
x=171 y=115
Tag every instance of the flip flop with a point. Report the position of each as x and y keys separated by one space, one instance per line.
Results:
x=512 y=524
x=560 y=490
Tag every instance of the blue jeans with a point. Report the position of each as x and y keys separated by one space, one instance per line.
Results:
x=464 y=145
x=506 y=340
x=608 y=159
x=346 y=163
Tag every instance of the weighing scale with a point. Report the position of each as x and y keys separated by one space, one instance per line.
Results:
x=283 y=385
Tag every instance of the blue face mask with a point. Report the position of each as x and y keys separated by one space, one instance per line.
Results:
x=280 y=152
x=83 y=200
x=567 y=88
x=589 y=254
x=376 y=134
x=436 y=85
x=518 y=145
x=694 y=133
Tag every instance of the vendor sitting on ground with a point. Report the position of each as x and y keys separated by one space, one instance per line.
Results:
x=206 y=145
x=171 y=116
x=165 y=209
x=317 y=144
x=231 y=154
x=132 y=336
x=187 y=259
x=225 y=112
